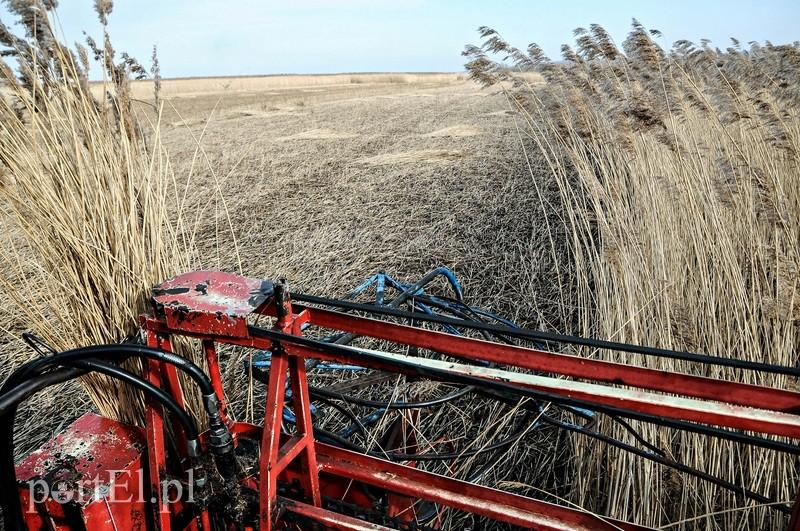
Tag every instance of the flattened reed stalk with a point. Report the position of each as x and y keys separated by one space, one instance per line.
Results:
x=88 y=195
x=680 y=182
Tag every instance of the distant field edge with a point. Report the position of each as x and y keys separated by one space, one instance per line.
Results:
x=187 y=86
x=289 y=74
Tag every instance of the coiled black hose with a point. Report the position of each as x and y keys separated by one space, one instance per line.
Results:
x=115 y=351
x=10 y=502
x=38 y=374
x=13 y=398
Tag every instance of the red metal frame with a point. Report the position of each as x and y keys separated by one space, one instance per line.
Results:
x=214 y=307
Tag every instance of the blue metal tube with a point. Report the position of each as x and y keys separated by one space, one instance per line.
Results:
x=365 y=421
x=380 y=284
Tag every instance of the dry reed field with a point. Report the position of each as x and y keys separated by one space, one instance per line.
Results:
x=636 y=194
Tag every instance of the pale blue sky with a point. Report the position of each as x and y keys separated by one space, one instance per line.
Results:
x=205 y=37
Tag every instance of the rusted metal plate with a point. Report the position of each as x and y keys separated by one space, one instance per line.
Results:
x=90 y=473
x=211 y=302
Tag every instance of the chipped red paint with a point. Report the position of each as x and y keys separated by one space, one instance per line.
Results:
x=699 y=399
x=102 y=456
x=211 y=302
x=667 y=406
x=477 y=499
x=275 y=457
x=154 y=431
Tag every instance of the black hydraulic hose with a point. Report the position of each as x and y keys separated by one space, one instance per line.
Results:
x=671 y=463
x=320 y=392
x=220 y=441
x=636 y=435
x=465 y=390
x=117 y=351
x=158 y=394
x=468 y=314
x=394 y=303
x=326 y=393
x=478 y=383
x=402 y=297
x=499 y=445
x=11 y=398
x=525 y=333
x=458 y=313
x=220 y=437
x=10 y=502
x=337 y=440
x=355 y=421
x=402 y=405
x=432 y=456
x=655 y=454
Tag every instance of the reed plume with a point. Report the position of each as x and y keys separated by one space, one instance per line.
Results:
x=680 y=184
x=86 y=193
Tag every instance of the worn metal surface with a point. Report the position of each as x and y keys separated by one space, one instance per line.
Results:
x=211 y=302
x=496 y=504
x=94 y=466
x=154 y=432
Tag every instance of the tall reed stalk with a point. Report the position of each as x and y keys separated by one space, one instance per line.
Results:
x=679 y=179
x=88 y=194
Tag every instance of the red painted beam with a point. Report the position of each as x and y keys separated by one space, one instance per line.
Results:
x=563 y=364
x=270 y=440
x=154 y=430
x=331 y=519
x=671 y=407
x=288 y=451
x=492 y=503
x=667 y=406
